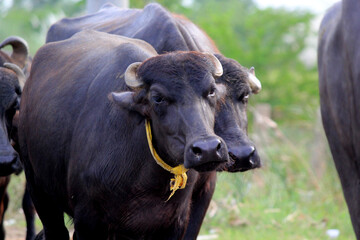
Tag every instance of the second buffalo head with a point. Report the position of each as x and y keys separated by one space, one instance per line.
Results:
x=231 y=119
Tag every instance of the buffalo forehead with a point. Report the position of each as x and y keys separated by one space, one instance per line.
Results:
x=179 y=72
x=236 y=83
x=8 y=78
x=235 y=76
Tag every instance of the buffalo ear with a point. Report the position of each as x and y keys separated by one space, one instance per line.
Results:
x=126 y=100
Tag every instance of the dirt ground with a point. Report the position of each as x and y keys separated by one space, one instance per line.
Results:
x=18 y=233
x=15 y=233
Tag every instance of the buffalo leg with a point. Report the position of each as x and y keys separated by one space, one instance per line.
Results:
x=4 y=207
x=52 y=219
x=40 y=235
x=29 y=211
x=171 y=233
x=343 y=149
x=51 y=216
x=4 y=200
x=348 y=169
x=200 y=202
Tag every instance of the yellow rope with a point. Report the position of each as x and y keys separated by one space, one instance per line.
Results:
x=180 y=179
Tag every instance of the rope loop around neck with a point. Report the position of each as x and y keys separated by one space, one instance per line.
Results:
x=180 y=176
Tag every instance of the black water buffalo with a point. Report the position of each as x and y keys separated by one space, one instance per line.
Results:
x=170 y=32
x=84 y=142
x=12 y=80
x=339 y=75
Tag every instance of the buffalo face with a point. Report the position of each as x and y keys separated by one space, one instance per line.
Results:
x=231 y=119
x=12 y=80
x=9 y=103
x=178 y=94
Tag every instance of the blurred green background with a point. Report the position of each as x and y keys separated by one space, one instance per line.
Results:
x=296 y=194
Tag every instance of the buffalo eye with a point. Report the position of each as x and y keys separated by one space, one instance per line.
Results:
x=158 y=99
x=212 y=92
x=244 y=98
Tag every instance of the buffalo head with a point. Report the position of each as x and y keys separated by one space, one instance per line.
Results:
x=231 y=119
x=12 y=80
x=178 y=94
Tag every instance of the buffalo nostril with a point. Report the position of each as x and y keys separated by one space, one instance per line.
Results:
x=251 y=162
x=243 y=158
x=206 y=147
x=206 y=154
x=242 y=153
x=196 y=151
x=252 y=151
x=218 y=146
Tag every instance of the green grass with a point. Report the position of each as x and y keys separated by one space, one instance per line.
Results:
x=288 y=198
x=267 y=210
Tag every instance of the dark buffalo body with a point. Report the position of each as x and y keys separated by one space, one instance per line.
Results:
x=83 y=138
x=154 y=24
x=339 y=75
x=168 y=32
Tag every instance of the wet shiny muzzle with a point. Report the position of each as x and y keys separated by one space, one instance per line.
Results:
x=206 y=154
x=243 y=159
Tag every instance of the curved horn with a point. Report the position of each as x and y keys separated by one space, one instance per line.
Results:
x=130 y=75
x=254 y=82
x=20 y=49
x=218 y=69
x=19 y=73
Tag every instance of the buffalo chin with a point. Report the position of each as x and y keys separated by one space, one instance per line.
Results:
x=242 y=166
